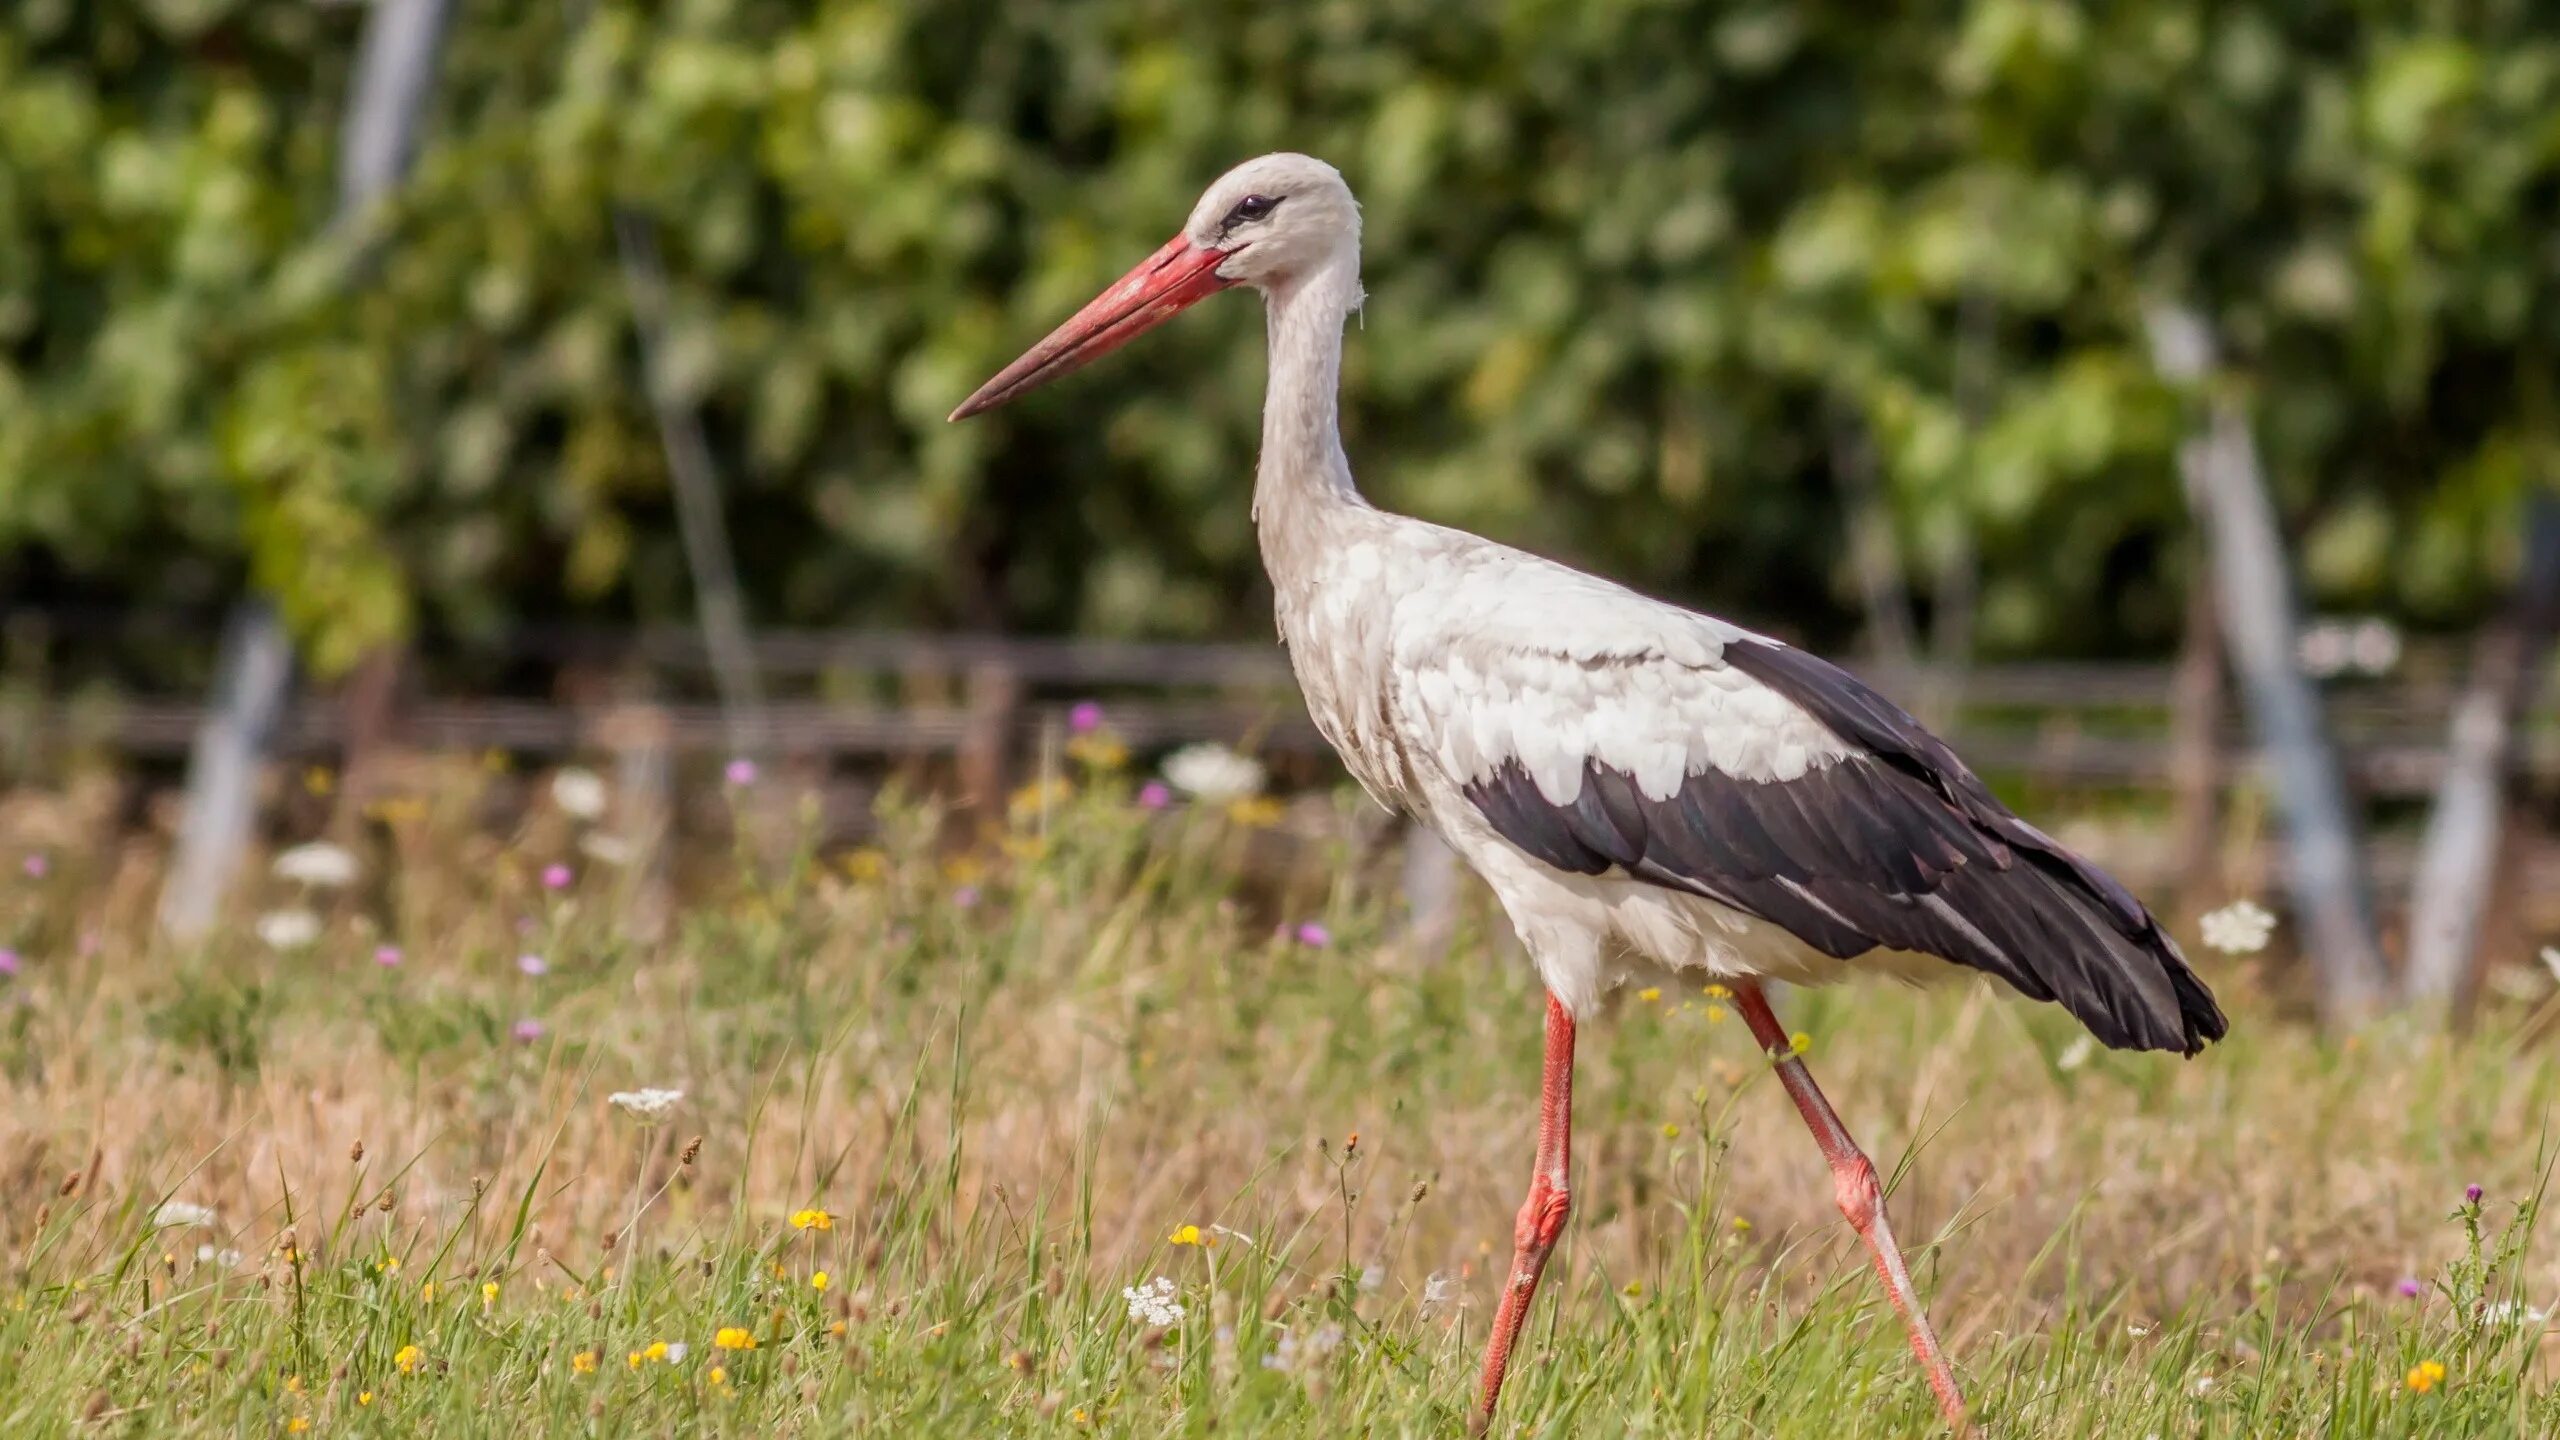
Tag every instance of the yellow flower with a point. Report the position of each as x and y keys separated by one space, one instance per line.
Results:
x=719 y=1374
x=1186 y=1235
x=1256 y=812
x=407 y=1359
x=488 y=1293
x=812 y=1220
x=584 y=1362
x=866 y=863
x=633 y=1359
x=818 y=1281
x=1799 y=1042
x=1670 y=1131
x=364 y=1397
x=2426 y=1375
x=1098 y=751
x=657 y=1350
x=1025 y=848
x=318 y=780
x=297 y=1424
x=1650 y=994
x=1715 y=1014
x=388 y=1264
x=1634 y=1288
x=427 y=1292
x=1718 y=992
x=732 y=1337
x=1741 y=1224
x=293 y=1384
x=1031 y=800
x=964 y=870
x=836 y=1329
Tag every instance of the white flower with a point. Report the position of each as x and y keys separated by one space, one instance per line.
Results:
x=207 y=1255
x=318 y=864
x=178 y=1214
x=2239 y=928
x=1292 y=1353
x=607 y=849
x=288 y=929
x=579 y=793
x=1373 y=1277
x=2513 y=1312
x=676 y=1351
x=1437 y=1289
x=2075 y=1054
x=1153 y=1302
x=1213 y=772
x=647 y=1106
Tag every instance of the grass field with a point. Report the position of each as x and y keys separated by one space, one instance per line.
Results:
x=397 y=1200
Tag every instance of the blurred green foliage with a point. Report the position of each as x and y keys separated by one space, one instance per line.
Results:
x=1634 y=265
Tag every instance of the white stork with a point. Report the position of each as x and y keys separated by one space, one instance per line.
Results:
x=1645 y=789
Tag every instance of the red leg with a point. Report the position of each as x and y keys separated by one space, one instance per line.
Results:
x=1533 y=1236
x=1853 y=1183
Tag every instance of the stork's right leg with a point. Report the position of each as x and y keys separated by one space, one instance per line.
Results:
x=1542 y=1215
x=1853 y=1183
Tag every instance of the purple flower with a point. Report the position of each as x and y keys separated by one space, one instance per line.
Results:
x=556 y=876
x=2410 y=1289
x=526 y=1030
x=36 y=866
x=740 y=772
x=388 y=957
x=1313 y=933
x=9 y=963
x=1154 y=796
x=1085 y=717
x=2471 y=1194
x=533 y=965
x=966 y=897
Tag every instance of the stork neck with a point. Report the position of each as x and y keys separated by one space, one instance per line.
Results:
x=1303 y=473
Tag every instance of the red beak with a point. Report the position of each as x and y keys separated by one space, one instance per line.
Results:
x=1168 y=282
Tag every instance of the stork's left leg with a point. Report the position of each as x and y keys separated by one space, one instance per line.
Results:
x=1542 y=1215
x=1853 y=1183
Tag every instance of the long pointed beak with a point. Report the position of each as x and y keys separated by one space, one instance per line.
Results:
x=1164 y=285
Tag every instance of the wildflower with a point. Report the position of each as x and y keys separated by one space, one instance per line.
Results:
x=319 y=865
x=646 y=1106
x=2471 y=1194
x=740 y=772
x=288 y=929
x=733 y=1337
x=297 y=1425
x=1153 y=1303
x=1085 y=717
x=2513 y=1312
x=1437 y=1289
x=1099 y=751
x=35 y=867
x=1715 y=1014
x=1255 y=812
x=866 y=863
x=1294 y=1353
x=179 y=1214
x=1154 y=795
x=293 y=1385
x=584 y=1362
x=1211 y=771
x=1651 y=994
x=533 y=965
x=966 y=897
x=407 y=1359
x=818 y=1281
x=719 y=1375
x=1670 y=1131
x=1717 y=992
x=526 y=1030
x=2425 y=1376
x=556 y=876
x=1314 y=935
x=1373 y=1276
x=2239 y=928
x=1798 y=1043
x=488 y=1294
x=1038 y=798
x=387 y=1265
x=1184 y=1235
x=427 y=1292
x=812 y=1220
x=318 y=780
x=388 y=956
x=10 y=964
x=1740 y=1224
x=2409 y=1287
x=579 y=793
x=634 y=1358
x=364 y=1397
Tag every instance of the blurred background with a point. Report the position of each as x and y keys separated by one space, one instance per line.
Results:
x=2159 y=401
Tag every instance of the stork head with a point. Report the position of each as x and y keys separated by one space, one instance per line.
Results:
x=1265 y=223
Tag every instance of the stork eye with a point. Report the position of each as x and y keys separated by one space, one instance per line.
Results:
x=1250 y=209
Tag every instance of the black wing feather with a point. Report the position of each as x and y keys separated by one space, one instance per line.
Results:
x=1900 y=847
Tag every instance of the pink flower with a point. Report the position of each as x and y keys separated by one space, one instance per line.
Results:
x=9 y=962
x=1154 y=796
x=1314 y=934
x=2410 y=1289
x=556 y=876
x=1085 y=717
x=36 y=866
x=966 y=897
x=2471 y=1194
x=388 y=957
x=533 y=965
x=740 y=772
x=526 y=1030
